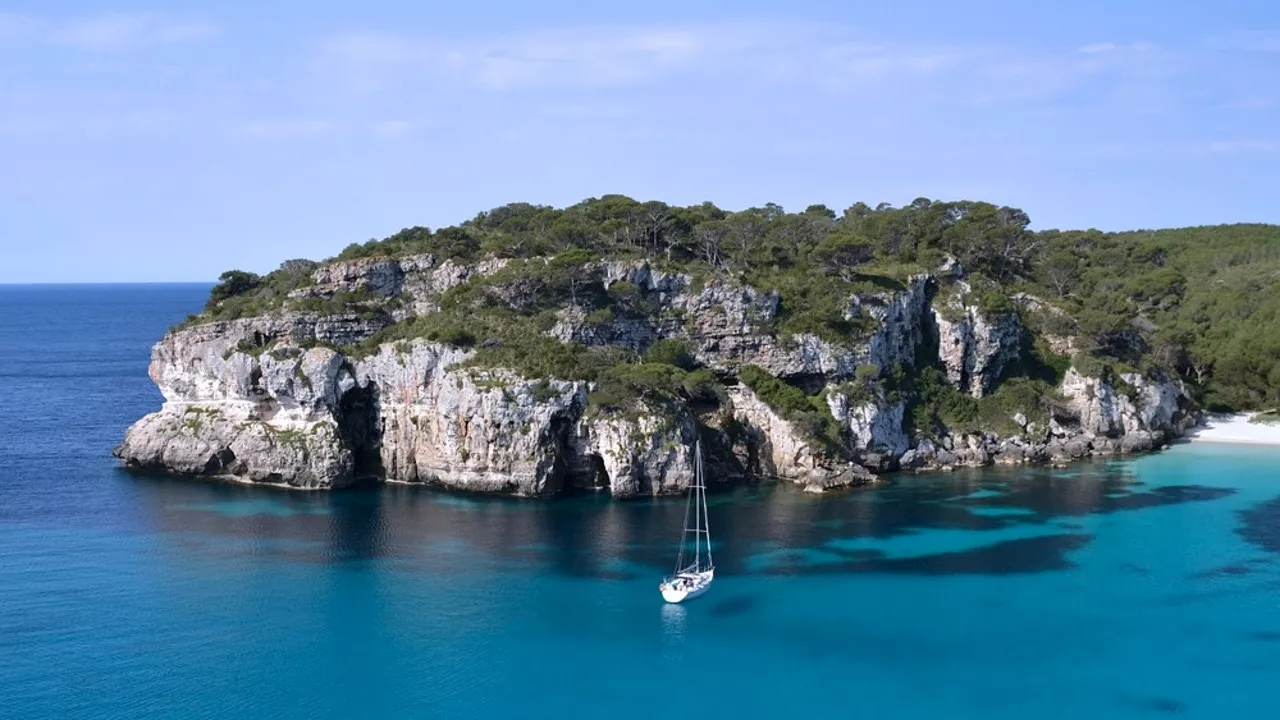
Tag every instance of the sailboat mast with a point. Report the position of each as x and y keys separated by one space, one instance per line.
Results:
x=684 y=535
x=697 y=503
x=697 y=508
x=702 y=498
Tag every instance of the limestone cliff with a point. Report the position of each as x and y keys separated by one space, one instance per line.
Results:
x=308 y=394
x=649 y=453
x=975 y=346
x=485 y=431
x=1100 y=416
x=784 y=452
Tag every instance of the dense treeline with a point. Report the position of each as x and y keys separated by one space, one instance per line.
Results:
x=983 y=237
x=1199 y=302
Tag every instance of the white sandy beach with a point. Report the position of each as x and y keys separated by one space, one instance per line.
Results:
x=1234 y=429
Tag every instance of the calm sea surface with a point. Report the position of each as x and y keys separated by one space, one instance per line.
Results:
x=1128 y=589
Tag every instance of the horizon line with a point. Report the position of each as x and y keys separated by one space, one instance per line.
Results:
x=47 y=283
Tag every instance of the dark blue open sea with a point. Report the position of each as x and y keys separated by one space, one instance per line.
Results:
x=1128 y=589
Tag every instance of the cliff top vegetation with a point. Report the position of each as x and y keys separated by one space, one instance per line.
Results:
x=1202 y=304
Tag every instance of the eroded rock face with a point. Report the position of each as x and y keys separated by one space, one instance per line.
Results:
x=650 y=453
x=374 y=275
x=1099 y=420
x=202 y=441
x=413 y=283
x=257 y=400
x=576 y=326
x=784 y=452
x=975 y=348
x=426 y=281
x=475 y=431
x=725 y=324
x=267 y=417
x=1059 y=343
x=1100 y=409
x=1146 y=405
x=900 y=317
x=874 y=424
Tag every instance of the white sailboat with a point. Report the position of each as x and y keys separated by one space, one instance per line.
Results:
x=692 y=579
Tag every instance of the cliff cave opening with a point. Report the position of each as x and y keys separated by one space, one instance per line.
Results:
x=810 y=383
x=563 y=468
x=594 y=475
x=361 y=430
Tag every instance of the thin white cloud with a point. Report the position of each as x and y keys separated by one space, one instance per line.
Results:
x=1242 y=147
x=616 y=57
x=1253 y=102
x=108 y=32
x=1107 y=48
x=185 y=32
x=1098 y=48
x=103 y=33
x=287 y=128
x=1261 y=41
x=393 y=128
x=838 y=60
x=17 y=27
x=615 y=75
x=860 y=61
x=598 y=57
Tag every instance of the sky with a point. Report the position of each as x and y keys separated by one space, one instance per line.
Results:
x=147 y=141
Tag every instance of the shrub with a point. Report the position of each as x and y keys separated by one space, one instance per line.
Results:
x=602 y=317
x=996 y=302
x=867 y=372
x=702 y=386
x=230 y=284
x=934 y=406
x=812 y=304
x=543 y=391
x=1089 y=365
x=671 y=352
x=624 y=293
x=1018 y=396
x=622 y=386
x=777 y=394
x=809 y=415
x=455 y=336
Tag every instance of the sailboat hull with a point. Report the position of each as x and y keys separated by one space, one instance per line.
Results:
x=686 y=586
x=679 y=596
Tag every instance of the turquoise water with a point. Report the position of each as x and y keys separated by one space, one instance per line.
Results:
x=1133 y=589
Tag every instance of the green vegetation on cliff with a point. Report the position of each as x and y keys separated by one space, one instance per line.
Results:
x=809 y=413
x=1202 y=304
x=244 y=294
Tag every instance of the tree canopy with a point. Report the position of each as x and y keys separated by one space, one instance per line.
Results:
x=1202 y=303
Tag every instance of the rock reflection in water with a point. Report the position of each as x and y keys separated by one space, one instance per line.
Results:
x=593 y=537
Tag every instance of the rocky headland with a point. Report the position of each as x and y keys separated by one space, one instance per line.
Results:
x=427 y=368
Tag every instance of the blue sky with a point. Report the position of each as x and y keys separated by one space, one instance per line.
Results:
x=149 y=141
